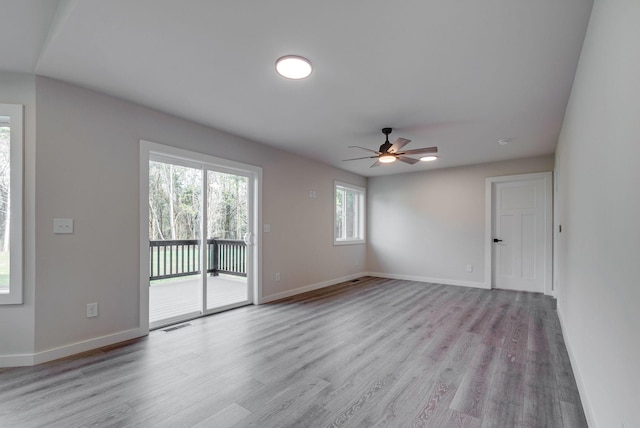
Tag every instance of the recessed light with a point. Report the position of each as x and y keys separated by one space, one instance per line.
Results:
x=293 y=67
x=428 y=158
x=504 y=141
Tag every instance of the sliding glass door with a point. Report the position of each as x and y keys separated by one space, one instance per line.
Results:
x=200 y=238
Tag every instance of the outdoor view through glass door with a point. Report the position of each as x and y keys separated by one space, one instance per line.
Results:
x=227 y=239
x=189 y=277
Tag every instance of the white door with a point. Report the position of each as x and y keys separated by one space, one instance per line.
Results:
x=522 y=232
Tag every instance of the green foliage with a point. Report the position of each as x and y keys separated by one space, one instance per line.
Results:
x=227 y=205
x=175 y=195
x=174 y=202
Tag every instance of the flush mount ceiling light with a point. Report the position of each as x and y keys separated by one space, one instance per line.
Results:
x=293 y=67
x=504 y=141
x=428 y=158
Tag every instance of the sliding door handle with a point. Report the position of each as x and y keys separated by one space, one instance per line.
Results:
x=497 y=240
x=248 y=239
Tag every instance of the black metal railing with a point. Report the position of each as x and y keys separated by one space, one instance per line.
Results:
x=175 y=258
x=227 y=256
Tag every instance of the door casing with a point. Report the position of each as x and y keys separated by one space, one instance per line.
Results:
x=150 y=149
x=548 y=214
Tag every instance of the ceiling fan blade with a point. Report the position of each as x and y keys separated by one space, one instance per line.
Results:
x=366 y=157
x=398 y=144
x=407 y=160
x=420 y=151
x=364 y=148
x=376 y=163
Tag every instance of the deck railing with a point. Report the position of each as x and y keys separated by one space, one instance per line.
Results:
x=175 y=258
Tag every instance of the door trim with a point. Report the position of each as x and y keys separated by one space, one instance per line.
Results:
x=548 y=246
x=150 y=149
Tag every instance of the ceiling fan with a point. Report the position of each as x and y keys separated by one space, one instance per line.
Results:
x=391 y=152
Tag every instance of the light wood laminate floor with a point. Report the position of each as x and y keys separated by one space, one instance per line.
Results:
x=375 y=353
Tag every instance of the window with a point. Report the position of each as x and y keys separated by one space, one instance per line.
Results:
x=10 y=204
x=349 y=214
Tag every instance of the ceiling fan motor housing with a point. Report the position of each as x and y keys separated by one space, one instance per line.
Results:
x=386 y=145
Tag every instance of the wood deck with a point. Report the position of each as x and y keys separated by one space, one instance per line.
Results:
x=377 y=353
x=170 y=299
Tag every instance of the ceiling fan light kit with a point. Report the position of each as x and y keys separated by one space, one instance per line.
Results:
x=389 y=153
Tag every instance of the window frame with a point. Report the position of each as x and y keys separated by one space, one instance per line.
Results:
x=16 y=146
x=361 y=193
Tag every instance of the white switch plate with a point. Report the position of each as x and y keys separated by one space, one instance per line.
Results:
x=92 y=310
x=266 y=228
x=469 y=268
x=62 y=225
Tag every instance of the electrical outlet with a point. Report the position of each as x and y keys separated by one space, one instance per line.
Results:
x=469 y=268
x=62 y=226
x=92 y=310
x=277 y=276
x=357 y=261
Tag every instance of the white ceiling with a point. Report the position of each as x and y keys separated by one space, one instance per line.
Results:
x=457 y=74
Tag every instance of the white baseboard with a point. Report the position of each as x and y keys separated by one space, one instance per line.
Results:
x=306 y=288
x=576 y=374
x=431 y=280
x=19 y=360
x=67 y=350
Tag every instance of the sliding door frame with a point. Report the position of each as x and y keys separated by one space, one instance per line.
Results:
x=150 y=151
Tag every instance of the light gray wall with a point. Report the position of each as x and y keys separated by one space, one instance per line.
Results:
x=599 y=209
x=430 y=225
x=87 y=169
x=17 y=321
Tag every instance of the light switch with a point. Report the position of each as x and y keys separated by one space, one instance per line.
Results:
x=266 y=228
x=62 y=225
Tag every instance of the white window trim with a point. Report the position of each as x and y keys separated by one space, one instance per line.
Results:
x=362 y=214
x=15 y=294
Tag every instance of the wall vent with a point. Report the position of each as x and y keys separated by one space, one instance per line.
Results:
x=176 y=327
